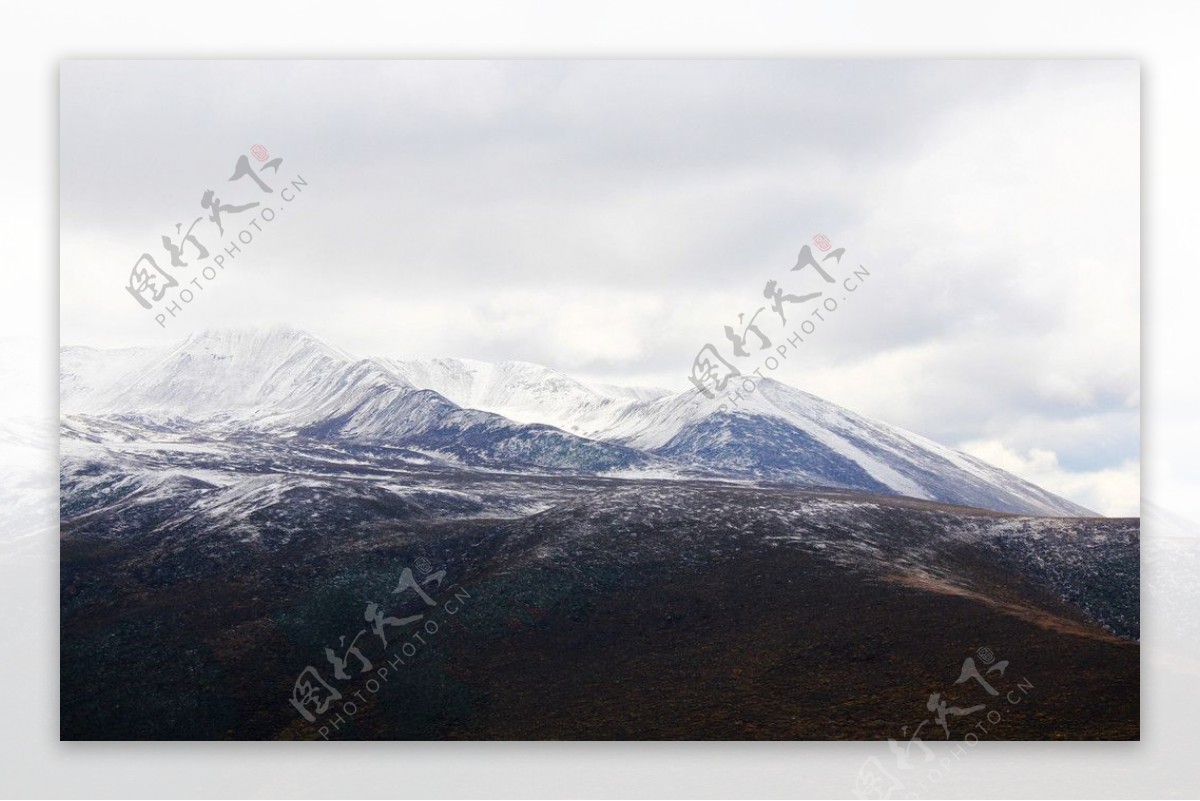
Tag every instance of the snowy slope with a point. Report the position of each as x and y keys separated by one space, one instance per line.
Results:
x=215 y=374
x=776 y=432
x=520 y=415
x=794 y=431
x=525 y=392
x=285 y=381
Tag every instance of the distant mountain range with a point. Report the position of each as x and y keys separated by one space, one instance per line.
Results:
x=515 y=416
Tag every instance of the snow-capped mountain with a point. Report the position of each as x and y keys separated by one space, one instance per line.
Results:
x=225 y=374
x=780 y=432
x=528 y=393
x=775 y=432
x=522 y=416
x=284 y=381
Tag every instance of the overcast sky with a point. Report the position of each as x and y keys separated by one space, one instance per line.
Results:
x=610 y=218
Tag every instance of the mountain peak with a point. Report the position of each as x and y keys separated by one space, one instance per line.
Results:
x=253 y=342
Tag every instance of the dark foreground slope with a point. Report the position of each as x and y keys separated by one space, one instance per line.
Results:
x=592 y=609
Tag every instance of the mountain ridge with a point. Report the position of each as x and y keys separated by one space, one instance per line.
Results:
x=525 y=416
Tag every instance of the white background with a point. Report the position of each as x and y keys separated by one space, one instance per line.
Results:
x=35 y=38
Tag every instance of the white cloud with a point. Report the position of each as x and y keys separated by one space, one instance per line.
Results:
x=1113 y=491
